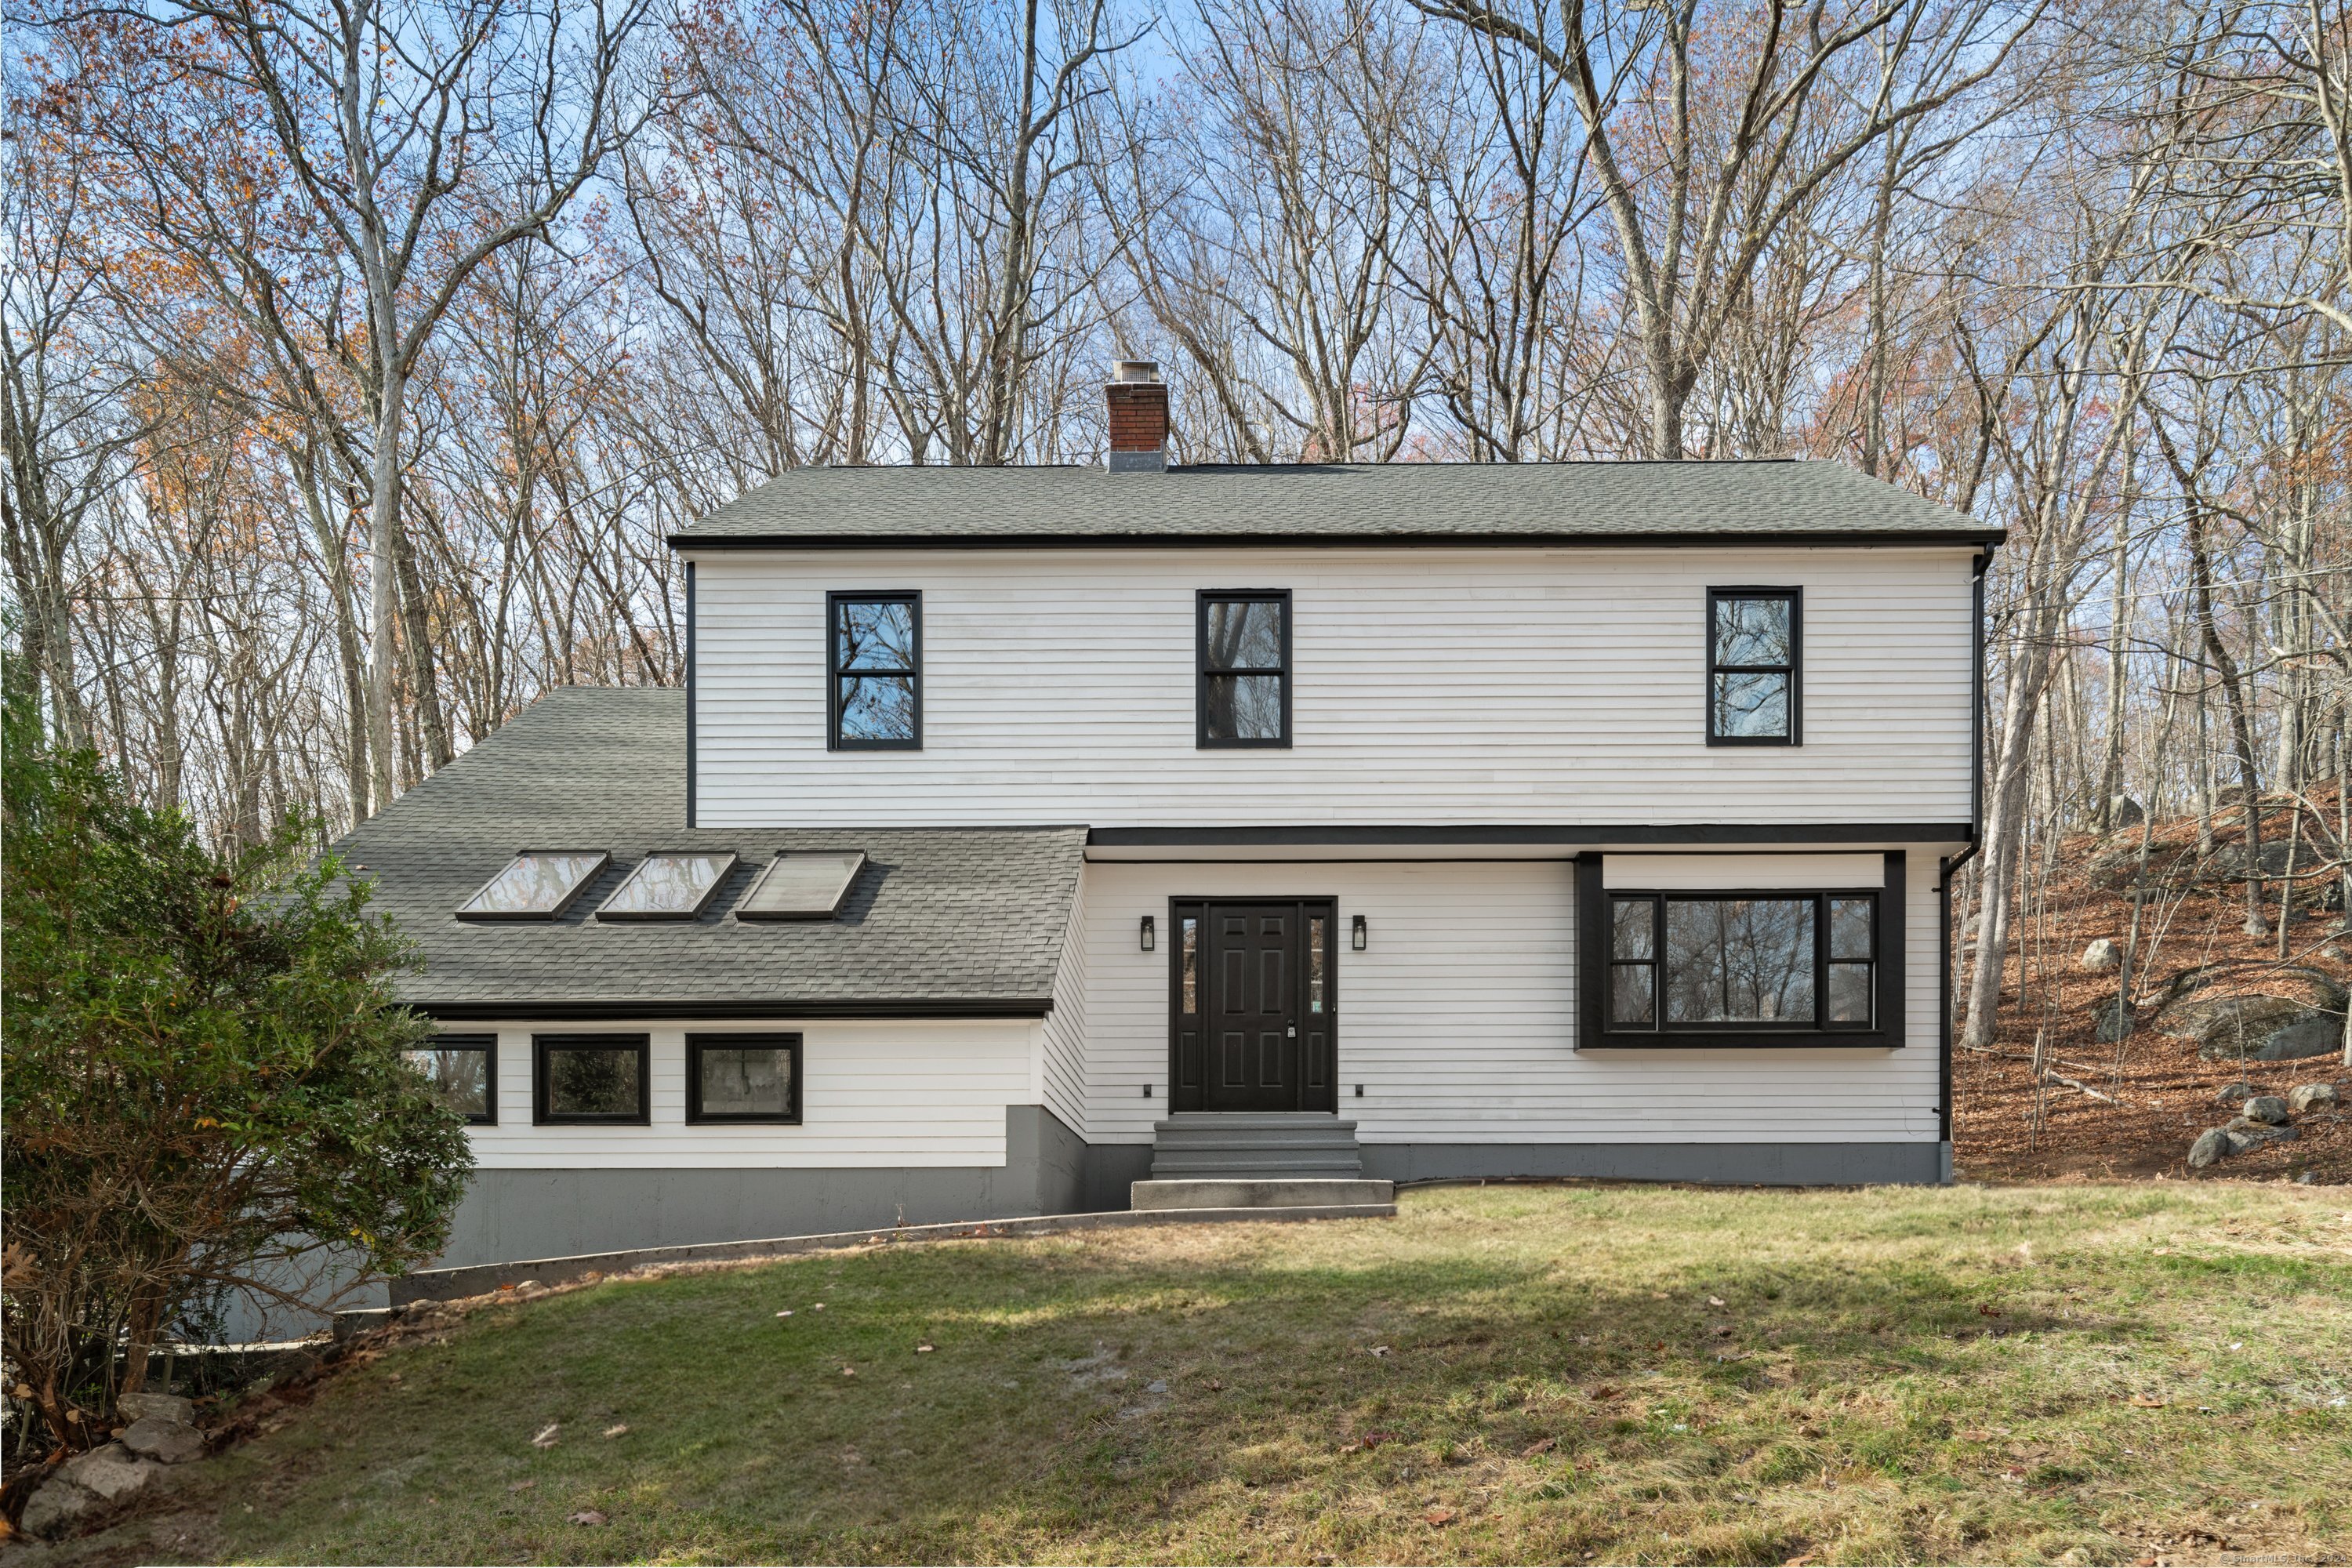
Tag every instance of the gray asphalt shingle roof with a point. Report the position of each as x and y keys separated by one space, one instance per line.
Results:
x=1693 y=503
x=939 y=920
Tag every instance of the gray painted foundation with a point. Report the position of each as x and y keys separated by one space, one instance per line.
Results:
x=1049 y=1170
x=1739 y=1164
x=511 y=1213
x=1111 y=1169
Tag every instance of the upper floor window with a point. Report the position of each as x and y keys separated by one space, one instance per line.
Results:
x=875 y=675
x=1754 y=642
x=1244 y=668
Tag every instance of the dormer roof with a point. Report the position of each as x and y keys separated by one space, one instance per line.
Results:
x=950 y=923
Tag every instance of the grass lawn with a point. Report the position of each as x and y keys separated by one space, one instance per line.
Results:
x=2085 y=1373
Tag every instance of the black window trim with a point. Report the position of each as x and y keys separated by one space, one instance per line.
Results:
x=833 y=673
x=1201 y=599
x=1794 y=669
x=696 y=1043
x=541 y=1045
x=489 y=1045
x=1595 y=934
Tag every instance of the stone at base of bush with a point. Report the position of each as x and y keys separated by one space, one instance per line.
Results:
x=169 y=1407
x=100 y=1476
x=172 y=1442
x=51 y=1512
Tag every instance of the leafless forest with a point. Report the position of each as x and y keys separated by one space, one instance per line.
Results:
x=360 y=352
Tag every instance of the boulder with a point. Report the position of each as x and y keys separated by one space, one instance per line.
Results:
x=2210 y=1145
x=51 y=1510
x=81 y=1484
x=2316 y=1034
x=2305 y=1097
x=2123 y=811
x=170 y=1442
x=169 y=1407
x=2245 y=1135
x=2254 y=1028
x=2296 y=982
x=110 y=1472
x=2265 y=1107
x=2115 y=1021
x=2103 y=956
x=2234 y=1093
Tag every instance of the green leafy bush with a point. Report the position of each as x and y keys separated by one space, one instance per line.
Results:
x=204 y=1089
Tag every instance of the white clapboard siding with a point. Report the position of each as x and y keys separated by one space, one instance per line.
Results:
x=1460 y=1017
x=874 y=1094
x=1062 y=1084
x=1431 y=687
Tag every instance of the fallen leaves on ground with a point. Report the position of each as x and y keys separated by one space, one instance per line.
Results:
x=1440 y=1516
x=586 y=1516
x=618 y=1430
x=546 y=1436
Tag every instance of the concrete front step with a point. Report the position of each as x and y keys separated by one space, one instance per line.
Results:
x=1284 y=1145
x=1287 y=1194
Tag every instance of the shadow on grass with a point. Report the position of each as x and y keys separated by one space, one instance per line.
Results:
x=1343 y=1391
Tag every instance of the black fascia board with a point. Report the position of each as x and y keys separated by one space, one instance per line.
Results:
x=1693 y=833
x=698 y=1008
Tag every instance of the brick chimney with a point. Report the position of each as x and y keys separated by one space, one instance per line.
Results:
x=1138 y=417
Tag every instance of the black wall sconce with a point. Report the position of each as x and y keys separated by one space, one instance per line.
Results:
x=1150 y=934
x=1362 y=936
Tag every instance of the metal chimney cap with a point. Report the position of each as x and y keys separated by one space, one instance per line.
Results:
x=1135 y=370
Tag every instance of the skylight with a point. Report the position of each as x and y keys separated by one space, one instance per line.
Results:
x=535 y=886
x=668 y=886
x=804 y=886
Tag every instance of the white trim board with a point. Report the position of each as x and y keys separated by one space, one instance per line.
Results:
x=1667 y=873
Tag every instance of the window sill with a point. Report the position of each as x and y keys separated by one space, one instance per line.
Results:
x=1807 y=1039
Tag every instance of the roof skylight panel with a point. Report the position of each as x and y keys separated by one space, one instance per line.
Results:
x=806 y=885
x=669 y=886
x=537 y=885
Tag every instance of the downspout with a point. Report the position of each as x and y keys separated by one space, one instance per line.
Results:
x=1949 y=864
x=689 y=695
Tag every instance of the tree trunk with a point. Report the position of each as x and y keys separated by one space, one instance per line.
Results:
x=384 y=572
x=2201 y=573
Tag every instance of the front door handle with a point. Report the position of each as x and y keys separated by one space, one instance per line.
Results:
x=1290 y=1031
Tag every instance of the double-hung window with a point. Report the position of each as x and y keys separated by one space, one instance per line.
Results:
x=1243 y=641
x=1755 y=639
x=1788 y=966
x=874 y=676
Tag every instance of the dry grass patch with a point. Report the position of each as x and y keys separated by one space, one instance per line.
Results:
x=2093 y=1374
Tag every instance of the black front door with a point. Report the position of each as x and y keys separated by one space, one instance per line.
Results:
x=1254 y=1001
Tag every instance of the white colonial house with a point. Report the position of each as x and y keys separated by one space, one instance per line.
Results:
x=1022 y=834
